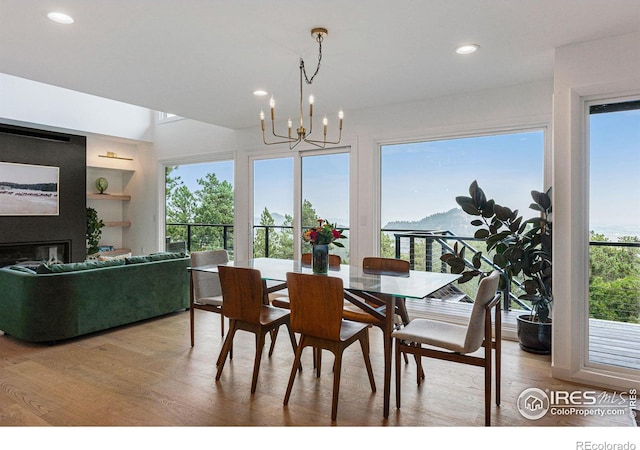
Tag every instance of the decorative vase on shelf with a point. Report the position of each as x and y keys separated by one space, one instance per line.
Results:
x=102 y=184
x=320 y=258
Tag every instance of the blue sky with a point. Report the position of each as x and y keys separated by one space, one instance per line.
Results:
x=420 y=179
x=615 y=170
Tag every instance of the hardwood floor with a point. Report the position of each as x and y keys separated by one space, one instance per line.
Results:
x=147 y=374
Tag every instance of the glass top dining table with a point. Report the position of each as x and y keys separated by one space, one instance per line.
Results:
x=358 y=284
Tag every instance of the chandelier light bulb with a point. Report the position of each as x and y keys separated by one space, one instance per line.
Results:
x=311 y=99
x=261 y=115
x=340 y=115
x=272 y=103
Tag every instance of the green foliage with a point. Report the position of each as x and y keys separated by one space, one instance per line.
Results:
x=521 y=248
x=94 y=230
x=211 y=204
x=614 y=281
x=615 y=300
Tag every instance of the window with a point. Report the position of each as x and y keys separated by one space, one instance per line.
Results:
x=273 y=208
x=325 y=195
x=614 y=224
x=420 y=182
x=199 y=206
x=321 y=177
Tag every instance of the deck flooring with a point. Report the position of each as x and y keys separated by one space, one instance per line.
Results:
x=610 y=343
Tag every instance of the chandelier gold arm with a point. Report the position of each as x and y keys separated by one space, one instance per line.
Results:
x=302 y=134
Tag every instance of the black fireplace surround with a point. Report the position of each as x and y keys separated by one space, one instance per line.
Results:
x=27 y=239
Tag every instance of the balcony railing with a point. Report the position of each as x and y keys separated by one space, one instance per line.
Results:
x=200 y=236
x=422 y=248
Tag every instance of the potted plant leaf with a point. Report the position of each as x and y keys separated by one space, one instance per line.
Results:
x=94 y=231
x=522 y=250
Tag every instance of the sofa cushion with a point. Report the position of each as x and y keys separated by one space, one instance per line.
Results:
x=161 y=256
x=22 y=269
x=109 y=258
x=73 y=267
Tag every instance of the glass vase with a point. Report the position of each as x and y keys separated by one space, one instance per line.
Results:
x=320 y=259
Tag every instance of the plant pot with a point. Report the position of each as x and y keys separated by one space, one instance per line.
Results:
x=533 y=336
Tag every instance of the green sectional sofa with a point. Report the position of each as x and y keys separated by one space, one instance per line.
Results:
x=62 y=301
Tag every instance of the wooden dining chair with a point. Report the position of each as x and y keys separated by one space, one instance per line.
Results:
x=457 y=343
x=243 y=305
x=316 y=313
x=206 y=294
x=380 y=265
x=387 y=266
x=281 y=298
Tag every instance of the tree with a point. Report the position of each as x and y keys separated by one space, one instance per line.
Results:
x=260 y=241
x=214 y=206
x=180 y=205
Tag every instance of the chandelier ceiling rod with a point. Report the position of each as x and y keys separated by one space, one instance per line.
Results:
x=302 y=134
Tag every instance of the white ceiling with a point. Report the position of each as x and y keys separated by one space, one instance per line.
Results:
x=202 y=59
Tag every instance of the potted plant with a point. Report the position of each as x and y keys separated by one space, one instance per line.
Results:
x=94 y=231
x=522 y=250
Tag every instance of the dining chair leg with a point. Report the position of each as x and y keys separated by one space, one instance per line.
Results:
x=221 y=326
x=398 y=374
x=364 y=344
x=294 y=344
x=294 y=370
x=337 y=367
x=260 y=339
x=404 y=316
x=191 y=323
x=274 y=336
x=317 y=355
x=488 y=367
x=498 y=373
x=419 y=369
x=225 y=349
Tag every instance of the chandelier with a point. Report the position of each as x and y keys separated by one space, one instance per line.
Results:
x=301 y=134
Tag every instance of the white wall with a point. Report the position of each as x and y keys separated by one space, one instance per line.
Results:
x=24 y=102
x=605 y=68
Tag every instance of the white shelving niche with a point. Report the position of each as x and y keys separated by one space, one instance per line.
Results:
x=113 y=205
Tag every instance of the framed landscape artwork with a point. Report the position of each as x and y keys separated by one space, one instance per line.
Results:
x=28 y=190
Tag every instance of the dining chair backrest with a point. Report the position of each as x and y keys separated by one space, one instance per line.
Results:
x=475 y=330
x=241 y=293
x=334 y=260
x=386 y=265
x=207 y=284
x=316 y=305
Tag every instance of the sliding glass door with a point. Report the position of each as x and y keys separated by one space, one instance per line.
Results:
x=291 y=193
x=614 y=236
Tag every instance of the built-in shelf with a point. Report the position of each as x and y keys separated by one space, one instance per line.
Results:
x=123 y=223
x=121 y=197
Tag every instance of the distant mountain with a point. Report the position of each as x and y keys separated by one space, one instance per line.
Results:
x=454 y=220
x=278 y=219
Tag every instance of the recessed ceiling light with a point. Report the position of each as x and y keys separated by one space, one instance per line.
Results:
x=260 y=93
x=60 y=17
x=467 y=49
